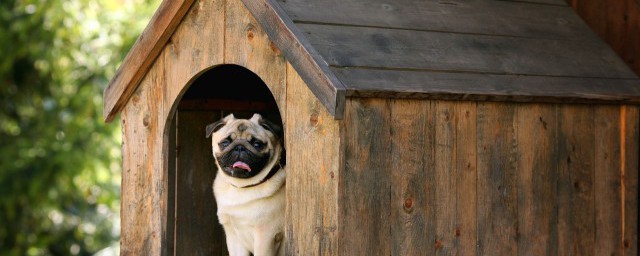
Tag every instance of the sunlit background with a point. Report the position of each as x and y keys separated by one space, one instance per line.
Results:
x=60 y=164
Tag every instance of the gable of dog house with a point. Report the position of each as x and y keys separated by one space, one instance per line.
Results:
x=468 y=127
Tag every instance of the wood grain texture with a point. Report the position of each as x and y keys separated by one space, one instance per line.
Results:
x=426 y=50
x=144 y=182
x=497 y=212
x=486 y=87
x=537 y=179
x=630 y=127
x=617 y=22
x=314 y=169
x=412 y=161
x=190 y=51
x=365 y=186
x=548 y=2
x=576 y=152
x=197 y=230
x=142 y=55
x=466 y=175
x=247 y=45
x=455 y=178
x=309 y=64
x=607 y=181
x=507 y=18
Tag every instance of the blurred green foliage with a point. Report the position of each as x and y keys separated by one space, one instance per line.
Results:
x=59 y=163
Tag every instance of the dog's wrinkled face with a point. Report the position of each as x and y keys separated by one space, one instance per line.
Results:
x=243 y=148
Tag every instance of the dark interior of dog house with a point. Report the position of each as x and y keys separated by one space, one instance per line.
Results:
x=192 y=223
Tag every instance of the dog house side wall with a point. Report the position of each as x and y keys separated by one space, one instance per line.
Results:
x=484 y=178
x=212 y=33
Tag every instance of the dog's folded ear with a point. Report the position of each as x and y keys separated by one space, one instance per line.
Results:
x=273 y=128
x=211 y=128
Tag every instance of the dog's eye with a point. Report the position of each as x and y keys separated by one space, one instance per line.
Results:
x=258 y=144
x=225 y=143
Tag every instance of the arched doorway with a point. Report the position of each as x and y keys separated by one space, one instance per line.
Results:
x=192 y=223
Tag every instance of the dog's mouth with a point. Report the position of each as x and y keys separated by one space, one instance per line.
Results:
x=241 y=166
x=241 y=169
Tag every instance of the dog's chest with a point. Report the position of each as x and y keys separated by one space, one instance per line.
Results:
x=255 y=212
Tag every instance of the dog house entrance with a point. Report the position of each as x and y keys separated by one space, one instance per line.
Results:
x=192 y=223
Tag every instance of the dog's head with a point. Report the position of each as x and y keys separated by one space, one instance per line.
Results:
x=245 y=148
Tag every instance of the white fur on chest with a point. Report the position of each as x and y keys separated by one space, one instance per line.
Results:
x=250 y=214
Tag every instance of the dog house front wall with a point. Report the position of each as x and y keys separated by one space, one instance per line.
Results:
x=232 y=37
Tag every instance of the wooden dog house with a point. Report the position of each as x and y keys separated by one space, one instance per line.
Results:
x=412 y=127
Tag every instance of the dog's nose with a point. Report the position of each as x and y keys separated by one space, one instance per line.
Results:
x=239 y=148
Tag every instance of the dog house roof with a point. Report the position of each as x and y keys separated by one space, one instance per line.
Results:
x=533 y=51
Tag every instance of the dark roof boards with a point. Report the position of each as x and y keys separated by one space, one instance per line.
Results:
x=522 y=51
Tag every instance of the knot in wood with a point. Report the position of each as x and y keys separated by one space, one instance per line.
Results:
x=313 y=119
x=274 y=48
x=439 y=245
x=408 y=203
x=250 y=29
x=146 y=120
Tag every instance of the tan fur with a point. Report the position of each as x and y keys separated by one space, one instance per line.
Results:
x=253 y=217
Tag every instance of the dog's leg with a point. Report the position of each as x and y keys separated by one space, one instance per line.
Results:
x=233 y=244
x=269 y=244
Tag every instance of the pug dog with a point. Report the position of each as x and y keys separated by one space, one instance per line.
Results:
x=250 y=184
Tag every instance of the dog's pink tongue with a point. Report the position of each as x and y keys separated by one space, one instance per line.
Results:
x=241 y=165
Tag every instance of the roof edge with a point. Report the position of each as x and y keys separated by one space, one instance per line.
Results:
x=142 y=55
x=309 y=64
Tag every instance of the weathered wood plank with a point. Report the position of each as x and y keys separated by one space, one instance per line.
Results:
x=486 y=87
x=576 y=152
x=365 y=185
x=247 y=45
x=314 y=149
x=425 y=50
x=497 y=179
x=197 y=230
x=466 y=165
x=457 y=16
x=537 y=179
x=144 y=183
x=455 y=178
x=411 y=157
x=310 y=65
x=445 y=177
x=551 y=2
x=142 y=55
x=185 y=57
x=617 y=22
x=630 y=50
x=630 y=128
x=607 y=180
x=596 y=11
